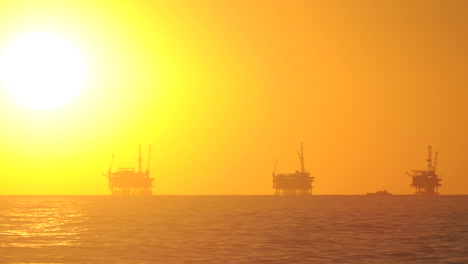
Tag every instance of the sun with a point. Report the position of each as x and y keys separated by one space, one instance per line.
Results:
x=42 y=70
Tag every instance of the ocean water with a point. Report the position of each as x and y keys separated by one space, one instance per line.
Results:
x=233 y=229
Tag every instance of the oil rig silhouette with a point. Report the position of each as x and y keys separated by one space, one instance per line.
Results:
x=297 y=183
x=127 y=182
x=426 y=182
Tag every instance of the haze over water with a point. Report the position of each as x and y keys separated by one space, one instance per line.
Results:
x=233 y=229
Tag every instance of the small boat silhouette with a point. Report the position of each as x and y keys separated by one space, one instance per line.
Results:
x=384 y=192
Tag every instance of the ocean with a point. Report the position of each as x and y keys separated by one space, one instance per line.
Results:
x=234 y=229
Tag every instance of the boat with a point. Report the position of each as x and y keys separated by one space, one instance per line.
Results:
x=384 y=192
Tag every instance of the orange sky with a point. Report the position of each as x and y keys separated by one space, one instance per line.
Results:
x=223 y=88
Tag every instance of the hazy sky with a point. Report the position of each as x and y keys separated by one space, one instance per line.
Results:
x=223 y=88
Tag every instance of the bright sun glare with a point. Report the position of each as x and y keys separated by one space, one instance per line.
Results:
x=42 y=70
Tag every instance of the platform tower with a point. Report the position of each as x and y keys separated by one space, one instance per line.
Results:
x=297 y=183
x=128 y=182
x=426 y=182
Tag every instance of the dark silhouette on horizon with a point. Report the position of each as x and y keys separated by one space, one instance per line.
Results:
x=297 y=183
x=382 y=192
x=426 y=182
x=127 y=182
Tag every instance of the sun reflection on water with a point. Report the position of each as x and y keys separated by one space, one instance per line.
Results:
x=36 y=225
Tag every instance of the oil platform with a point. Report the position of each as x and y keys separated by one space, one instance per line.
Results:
x=127 y=182
x=426 y=182
x=297 y=183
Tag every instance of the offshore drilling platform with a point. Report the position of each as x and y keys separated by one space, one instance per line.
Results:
x=297 y=183
x=127 y=182
x=426 y=182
